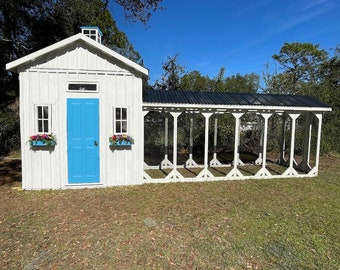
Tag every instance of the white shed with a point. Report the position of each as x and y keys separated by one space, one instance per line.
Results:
x=79 y=93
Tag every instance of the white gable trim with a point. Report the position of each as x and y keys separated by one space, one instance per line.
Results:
x=13 y=66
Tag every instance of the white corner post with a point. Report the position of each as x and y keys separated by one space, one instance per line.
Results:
x=304 y=164
x=190 y=162
x=145 y=175
x=215 y=161
x=235 y=171
x=290 y=171
x=315 y=170
x=263 y=171
x=174 y=174
x=282 y=160
x=165 y=164
x=205 y=173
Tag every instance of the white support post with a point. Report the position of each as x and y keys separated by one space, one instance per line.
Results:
x=282 y=160
x=205 y=173
x=215 y=161
x=190 y=162
x=315 y=170
x=166 y=163
x=304 y=164
x=174 y=174
x=290 y=170
x=263 y=171
x=145 y=165
x=235 y=172
x=259 y=160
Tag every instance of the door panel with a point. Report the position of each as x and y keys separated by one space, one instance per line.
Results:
x=83 y=140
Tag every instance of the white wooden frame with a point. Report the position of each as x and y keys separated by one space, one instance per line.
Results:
x=83 y=82
x=265 y=112
x=36 y=118
x=121 y=120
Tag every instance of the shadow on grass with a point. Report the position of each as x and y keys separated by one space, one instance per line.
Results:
x=10 y=171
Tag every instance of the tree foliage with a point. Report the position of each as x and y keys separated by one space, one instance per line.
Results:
x=300 y=63
x=172 y=74
x=139 y=9
x=175 y=77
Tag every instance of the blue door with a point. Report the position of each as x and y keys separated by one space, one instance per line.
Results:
x=83 y=140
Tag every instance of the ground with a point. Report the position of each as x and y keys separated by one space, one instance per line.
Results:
x=266 y=224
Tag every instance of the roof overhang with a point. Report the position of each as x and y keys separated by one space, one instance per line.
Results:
x=228 y=108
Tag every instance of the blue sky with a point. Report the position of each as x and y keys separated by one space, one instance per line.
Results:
x=241 y=36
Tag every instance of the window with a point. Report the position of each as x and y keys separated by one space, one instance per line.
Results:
x=43 y=118
x=120 y=120
x=82 y=87
x=93 y=33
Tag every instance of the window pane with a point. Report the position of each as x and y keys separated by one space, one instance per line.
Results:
x=45 y=108
x=82 y=87
x=39 y=112
x=40 y=128
x=124 y=126
x=124 y=114
x=118 y=114
x=118 y=127
x=45 y=125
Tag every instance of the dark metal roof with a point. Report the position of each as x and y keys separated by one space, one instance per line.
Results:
x=225 y=98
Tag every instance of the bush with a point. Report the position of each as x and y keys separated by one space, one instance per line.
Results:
x=9 y=132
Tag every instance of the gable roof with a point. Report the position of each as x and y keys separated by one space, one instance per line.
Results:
x=232 y=100
x=14 y=66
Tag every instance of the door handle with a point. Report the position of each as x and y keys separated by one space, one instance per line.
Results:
x=95 y=143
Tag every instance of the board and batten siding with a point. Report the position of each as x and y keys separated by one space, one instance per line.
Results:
x=46 y=82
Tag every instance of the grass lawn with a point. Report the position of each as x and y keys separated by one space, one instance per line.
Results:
x=253 y=224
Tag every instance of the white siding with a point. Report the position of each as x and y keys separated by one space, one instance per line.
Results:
x=46 y=82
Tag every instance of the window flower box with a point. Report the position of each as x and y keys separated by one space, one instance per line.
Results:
x=121 y=140
x=42 y=140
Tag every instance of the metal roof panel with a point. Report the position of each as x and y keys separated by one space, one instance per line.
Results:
x=226 y=98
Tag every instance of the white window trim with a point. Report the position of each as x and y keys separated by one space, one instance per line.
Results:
x=82 y=82
x=36 y=126
x=114 y=119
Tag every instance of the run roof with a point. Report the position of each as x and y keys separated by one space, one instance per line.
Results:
x=231 y=99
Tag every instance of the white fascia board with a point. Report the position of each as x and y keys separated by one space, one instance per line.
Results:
x=13 y=66
x=236 y=107
x=116 y=55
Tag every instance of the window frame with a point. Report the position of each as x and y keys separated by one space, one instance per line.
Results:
x=37 y=119
x=83 y=83
x=121 y=120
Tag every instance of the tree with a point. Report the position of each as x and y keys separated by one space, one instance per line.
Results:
x=194 y=81
x=328 y=91
x=172 y=74
x=300 y=63
x=139 y=9
x=219 y=82
x=248 y=83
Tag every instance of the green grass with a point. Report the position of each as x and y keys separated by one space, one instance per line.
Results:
x=267 y=224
